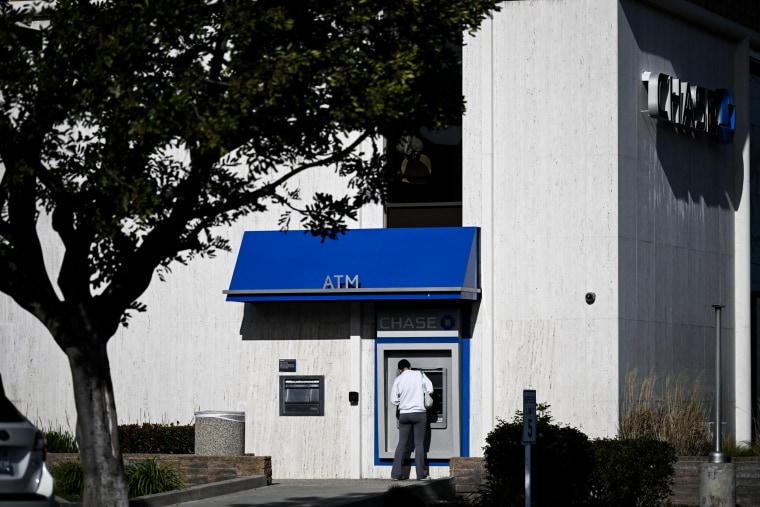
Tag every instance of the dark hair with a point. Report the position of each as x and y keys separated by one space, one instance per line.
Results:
x=403 y=364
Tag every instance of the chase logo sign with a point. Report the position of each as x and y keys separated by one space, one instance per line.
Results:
x=437 y=321
x=693 y=108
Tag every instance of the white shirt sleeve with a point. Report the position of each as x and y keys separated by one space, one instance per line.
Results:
x=395 y=396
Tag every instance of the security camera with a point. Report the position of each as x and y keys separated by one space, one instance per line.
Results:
x=590 y=298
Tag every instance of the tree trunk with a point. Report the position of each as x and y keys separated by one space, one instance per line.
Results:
x=105 y=483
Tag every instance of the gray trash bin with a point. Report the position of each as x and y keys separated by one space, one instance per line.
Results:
x=219 y=433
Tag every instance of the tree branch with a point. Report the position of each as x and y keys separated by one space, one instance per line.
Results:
x=270 y=188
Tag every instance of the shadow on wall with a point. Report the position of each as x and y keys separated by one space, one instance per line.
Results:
x=298 y=320
x=696 y=167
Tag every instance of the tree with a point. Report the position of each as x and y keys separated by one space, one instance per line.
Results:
x=141 y=126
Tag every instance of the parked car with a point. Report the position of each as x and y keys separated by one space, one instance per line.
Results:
x=25 y=480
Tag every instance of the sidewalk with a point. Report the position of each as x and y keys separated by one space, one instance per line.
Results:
x=253 y=491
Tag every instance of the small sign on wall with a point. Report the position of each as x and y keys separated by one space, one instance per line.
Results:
x=287 y=365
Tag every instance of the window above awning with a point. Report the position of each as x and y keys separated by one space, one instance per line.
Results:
x=362 y=264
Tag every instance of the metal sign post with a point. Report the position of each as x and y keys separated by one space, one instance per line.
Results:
x=529 y=435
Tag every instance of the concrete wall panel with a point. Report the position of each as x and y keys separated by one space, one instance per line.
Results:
x=553 y=223
x=680 y=212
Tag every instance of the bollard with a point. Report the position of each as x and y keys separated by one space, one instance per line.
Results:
x=219 y=433
x=717 y=485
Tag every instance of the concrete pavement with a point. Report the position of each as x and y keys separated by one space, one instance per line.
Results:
x=333 y=493
x=253 y=491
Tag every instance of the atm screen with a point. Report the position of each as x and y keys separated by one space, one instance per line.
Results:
x=437 y=414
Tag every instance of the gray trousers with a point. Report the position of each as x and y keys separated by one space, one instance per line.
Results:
x=407 y=423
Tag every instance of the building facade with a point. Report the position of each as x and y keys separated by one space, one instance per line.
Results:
x=594 y=206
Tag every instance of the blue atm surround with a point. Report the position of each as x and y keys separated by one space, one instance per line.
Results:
x=464 y=350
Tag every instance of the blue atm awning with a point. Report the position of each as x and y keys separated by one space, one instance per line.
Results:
x=362 y=264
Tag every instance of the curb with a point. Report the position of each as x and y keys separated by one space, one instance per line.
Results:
x=200 y=492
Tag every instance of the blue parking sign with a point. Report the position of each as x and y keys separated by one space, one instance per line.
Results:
x=529 y=416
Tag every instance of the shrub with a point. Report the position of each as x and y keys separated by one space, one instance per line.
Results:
x=561 y=464
x=60 y=441
x=157 y=438
x=143 y=478
x=632 y=473
x=747 y=448
x=677 y=415
x=69 y=480
x=134 y=438
x=149 y=477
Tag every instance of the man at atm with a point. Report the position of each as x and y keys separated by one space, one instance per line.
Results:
x=408 y=394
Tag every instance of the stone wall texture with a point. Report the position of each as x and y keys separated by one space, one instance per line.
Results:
x=470 y=473
x=686 y=481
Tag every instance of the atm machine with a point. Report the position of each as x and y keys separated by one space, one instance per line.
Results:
x=438 y=413
x=430 y=341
